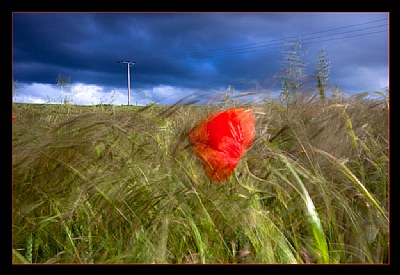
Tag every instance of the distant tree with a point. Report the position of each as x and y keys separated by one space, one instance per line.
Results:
x=338 y=96
x=14 y=88
x=322 y=73
x=293 y=68
x=228 y=96
x=64 y=84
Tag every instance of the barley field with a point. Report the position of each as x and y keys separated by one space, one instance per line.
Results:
x=121 y=185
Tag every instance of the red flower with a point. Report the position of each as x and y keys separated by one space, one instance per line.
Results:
x=221 y=140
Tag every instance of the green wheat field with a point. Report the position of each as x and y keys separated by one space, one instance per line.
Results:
x=120 y=184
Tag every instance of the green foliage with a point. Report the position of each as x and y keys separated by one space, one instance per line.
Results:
x=14 y=88
x=64 y=84
x=121 y=185
x=322 y=73
x=293 y=69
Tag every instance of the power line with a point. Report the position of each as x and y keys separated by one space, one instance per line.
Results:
x=276 y=46
x=293 y=36
x=267 y=45
x=263 y=46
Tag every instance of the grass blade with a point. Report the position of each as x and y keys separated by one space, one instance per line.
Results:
x=353 y=179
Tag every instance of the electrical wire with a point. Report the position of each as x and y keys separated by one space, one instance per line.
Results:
x=262 y=46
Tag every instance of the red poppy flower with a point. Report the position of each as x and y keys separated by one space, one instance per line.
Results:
x=221 y=140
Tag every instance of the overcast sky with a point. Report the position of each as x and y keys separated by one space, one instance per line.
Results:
x=191 y=55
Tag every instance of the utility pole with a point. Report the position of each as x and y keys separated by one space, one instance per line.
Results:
x=129 y=65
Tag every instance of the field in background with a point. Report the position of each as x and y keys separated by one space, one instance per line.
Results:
x=107 y=184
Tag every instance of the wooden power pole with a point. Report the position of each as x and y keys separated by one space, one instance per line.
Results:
x=129 y=65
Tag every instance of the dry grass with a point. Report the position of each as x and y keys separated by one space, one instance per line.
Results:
x=104 y=184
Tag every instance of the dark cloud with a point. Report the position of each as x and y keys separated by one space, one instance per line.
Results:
x=191 y=50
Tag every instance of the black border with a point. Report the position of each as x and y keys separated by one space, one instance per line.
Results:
x=199 y=6
x=8 y=7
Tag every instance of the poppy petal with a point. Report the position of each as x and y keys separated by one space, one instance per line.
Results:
x=221 y=139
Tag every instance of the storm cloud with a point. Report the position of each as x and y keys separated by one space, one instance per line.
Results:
x=177 y=54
